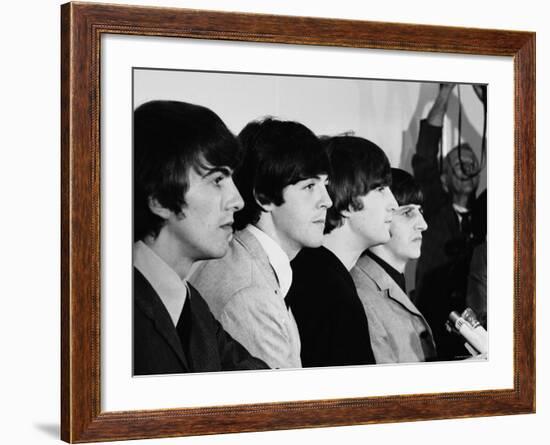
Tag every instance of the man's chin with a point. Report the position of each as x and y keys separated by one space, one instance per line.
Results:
x=216 y=253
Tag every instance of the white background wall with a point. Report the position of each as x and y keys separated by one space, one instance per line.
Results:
x=29 y=179
x=385 y=112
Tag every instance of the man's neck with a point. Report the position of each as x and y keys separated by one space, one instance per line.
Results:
x=344 y=246
x=383 y=252
x=265 y=224
x=170 y=253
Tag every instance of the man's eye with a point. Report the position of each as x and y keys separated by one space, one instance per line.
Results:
x=381 y=188
x=218 y=179
x=310 y=186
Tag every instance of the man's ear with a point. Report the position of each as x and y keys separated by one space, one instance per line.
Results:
x=263 y=202
x=157 y=208
x=444 y=178
x=346 y=213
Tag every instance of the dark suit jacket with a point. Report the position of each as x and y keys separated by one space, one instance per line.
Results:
x=333 y=327
x=157 y=347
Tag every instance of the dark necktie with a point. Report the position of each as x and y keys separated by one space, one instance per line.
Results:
x=466 y=224
x=184 y=330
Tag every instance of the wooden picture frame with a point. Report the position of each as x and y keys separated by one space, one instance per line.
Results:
x=82 y=26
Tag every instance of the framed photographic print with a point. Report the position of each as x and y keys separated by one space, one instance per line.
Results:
x=140 y=84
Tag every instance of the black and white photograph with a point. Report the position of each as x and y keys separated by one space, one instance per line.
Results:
x=293 y=221
x=240 y=222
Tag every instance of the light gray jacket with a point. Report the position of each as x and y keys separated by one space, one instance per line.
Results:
x=242 y=292
x=399 y=332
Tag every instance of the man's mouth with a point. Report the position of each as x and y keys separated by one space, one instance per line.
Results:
x=320 y=220
x=227 y=225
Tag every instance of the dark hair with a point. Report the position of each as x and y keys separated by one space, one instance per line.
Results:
x=404 y=188
x=358 y=166
x=169 y=138
x=276 y=154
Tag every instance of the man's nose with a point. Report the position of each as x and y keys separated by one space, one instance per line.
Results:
x=234 y=201
x=325 y=200
x=421 y=223
x=392 y=203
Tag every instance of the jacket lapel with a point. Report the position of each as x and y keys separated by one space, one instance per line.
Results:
x=150 y=304
x=386 y=284
x=253 y=246
x=391 y=289
x=203 y=344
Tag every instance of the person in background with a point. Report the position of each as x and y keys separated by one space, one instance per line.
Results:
x=283 y=182
x=333 y=326
x=184 y=201
x=449 y=194
x=398 y=331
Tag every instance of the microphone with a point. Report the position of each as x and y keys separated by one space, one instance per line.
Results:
x=468 y=326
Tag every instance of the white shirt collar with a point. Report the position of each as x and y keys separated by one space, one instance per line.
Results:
x=277 y=258
x=171 y=289
x=459 y=210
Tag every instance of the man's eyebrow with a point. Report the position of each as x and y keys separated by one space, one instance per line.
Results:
x=314 y=177
x=406 y=207
x=379 y=182
x=319 y=177
x=208 y=171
